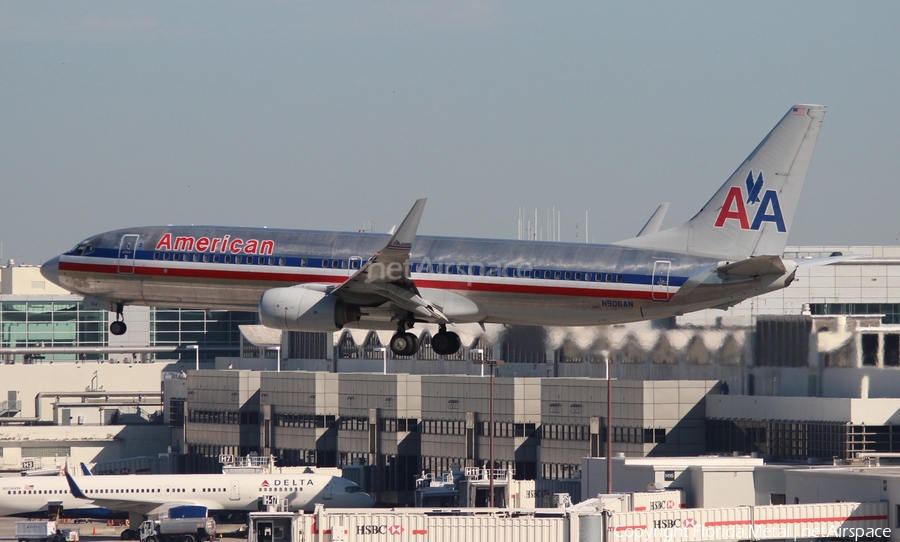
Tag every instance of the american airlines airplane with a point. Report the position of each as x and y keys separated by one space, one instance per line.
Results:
x=325 y=281
x=140 y=496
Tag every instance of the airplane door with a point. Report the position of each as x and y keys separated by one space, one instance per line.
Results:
x=235 y=492
x=659 y=288
x=127 y=251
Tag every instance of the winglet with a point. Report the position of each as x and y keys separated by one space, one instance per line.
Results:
x=73 y=487
x=85 y=470
x=405 y=235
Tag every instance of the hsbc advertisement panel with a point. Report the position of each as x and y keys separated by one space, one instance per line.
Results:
x=675 y=525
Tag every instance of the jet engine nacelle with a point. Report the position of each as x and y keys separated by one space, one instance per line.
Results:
x=301 y=308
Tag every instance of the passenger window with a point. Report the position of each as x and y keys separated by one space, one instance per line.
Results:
x=156 y=255
x=324 y=263
x=568 y=275
x=608 y=277
x=206 y=258
x=281 y=261
x=196 y=257
x=577 y=276
x=303 y=262
x=228 y=258
x=556 y=275
x=618 y=278
x=216 y=258
x=165 y=256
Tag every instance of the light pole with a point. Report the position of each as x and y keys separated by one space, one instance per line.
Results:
x=196 y=348
x=608 y=426
x=491 y=363
x=383 y=350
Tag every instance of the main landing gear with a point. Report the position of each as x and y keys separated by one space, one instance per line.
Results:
x=118 y=327
x=444 y=343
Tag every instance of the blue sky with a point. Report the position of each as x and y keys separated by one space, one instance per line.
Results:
x=324 y=115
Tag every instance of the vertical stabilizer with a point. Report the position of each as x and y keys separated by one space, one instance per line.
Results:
x=751 y=214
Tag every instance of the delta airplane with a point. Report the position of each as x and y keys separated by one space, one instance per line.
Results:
x=143 y=495
x=325 y=281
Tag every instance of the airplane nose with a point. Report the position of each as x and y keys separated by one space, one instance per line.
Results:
x=50 y=270
x=365 y=501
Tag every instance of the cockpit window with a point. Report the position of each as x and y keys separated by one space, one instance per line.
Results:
x=352 y=489
x=82 y=250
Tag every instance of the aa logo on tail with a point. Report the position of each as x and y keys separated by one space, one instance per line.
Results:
x=767 y=209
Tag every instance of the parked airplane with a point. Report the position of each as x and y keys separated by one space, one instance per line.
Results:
x=325 y=281
x=140 y=496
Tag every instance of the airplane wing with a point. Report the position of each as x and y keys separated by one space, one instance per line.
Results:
x=386 y=275
x=145 y=505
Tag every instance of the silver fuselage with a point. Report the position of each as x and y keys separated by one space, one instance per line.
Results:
x=511 y=282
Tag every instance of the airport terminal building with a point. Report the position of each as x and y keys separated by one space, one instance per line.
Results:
x=824 y=354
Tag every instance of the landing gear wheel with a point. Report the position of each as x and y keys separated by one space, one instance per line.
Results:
x=399 y=344
x=118 y=328
x=412 y=343
x=445 y=343
x=404 y=344
x=188 y=538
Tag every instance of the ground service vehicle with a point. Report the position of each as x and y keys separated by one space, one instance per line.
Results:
x=178 y=530
x=43 y=531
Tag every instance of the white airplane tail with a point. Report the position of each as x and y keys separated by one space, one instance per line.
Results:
x=751 y=214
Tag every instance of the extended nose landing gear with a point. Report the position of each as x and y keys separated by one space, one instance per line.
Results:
x=118 y=327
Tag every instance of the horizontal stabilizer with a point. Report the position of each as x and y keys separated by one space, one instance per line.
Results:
x=754 y=267
x=827 y=260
